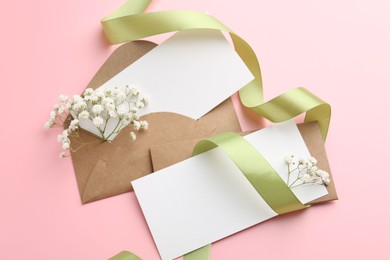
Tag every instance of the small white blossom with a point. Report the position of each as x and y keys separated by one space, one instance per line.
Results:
x=136 y=125
x=122 y=109
x=97 y=109
x=69 y=105
x=65 y=133
x=79 y=106
x=112 y=114
x=59 y=138
x=74 y=124
x=145 y=100
x=139 y=105
x=133 y=137
x=98 y=121
x=289 y=158
x=134 y=91
x=60 y=110
x=313 y=160
x=65 y=146
x=63 y=98
x=144 y=125
x=53 y=114
x=84 y=114
x=77 y=98
x=48 y=124
x=88 y=92
x=62 y=155
x=134 y=110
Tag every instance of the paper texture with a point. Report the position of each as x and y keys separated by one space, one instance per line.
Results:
x=106 y=169
x=206 y=198
x=188 y=74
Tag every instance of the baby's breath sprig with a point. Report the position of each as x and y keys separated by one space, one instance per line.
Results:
x=305 y=172
x=98 y=107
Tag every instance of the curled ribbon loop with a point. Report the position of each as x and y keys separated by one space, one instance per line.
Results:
x=129 y=23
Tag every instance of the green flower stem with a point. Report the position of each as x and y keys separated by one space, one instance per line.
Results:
x=113 y=131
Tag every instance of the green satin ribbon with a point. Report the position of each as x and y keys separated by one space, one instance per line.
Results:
x=129 y=23
x=125 y=255
x=256 y=169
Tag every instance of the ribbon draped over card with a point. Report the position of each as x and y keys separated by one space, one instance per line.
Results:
x=260 y=174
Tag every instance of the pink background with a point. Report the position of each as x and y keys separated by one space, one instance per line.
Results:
x=340 y=50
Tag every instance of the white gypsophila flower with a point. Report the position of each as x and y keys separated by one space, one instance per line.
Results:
x=119 y=96
x=77 y=98
x=326 y=181
x=88 y=92
x=108 y=103
x=53 y=114
x=139 y=105
x=313 y=160
x=288 y=159
x=79 y=106
x=65 y=133
x=112 y=114
x=62 y=155
x=94 y=98
x=144 y=125
x=63 y=98
x=322 y=174
x=306 y=177
x=84 y=115
x=60 y=138
x=48 y=124
x=97 y=109
x=107 y=92
x=309 y=164
x=74 y=124
x=125 y=122
x=136 y=125
x=122 y=109
x=99 y=106
x=134 y=110
x=99 y=94
x=134 y=117
x=69 y=105
x=60 y=110
x=65 y=145
x=133 y=137
x=145 y=100
x=307 y=172
x=98 y=121
x=133 y=90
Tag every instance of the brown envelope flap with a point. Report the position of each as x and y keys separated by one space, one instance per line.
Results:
x=162 y=155
x=130 y=160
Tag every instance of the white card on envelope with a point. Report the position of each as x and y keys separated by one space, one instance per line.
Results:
x=189 y=74
x=206 y=198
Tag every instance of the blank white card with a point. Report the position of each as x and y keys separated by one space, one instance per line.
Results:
x=206 y=198
x=189 y=74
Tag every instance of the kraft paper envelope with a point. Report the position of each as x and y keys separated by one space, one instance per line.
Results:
x=162 y=156
x=105 y=169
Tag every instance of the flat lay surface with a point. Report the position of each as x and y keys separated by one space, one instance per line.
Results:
x=339 y=50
